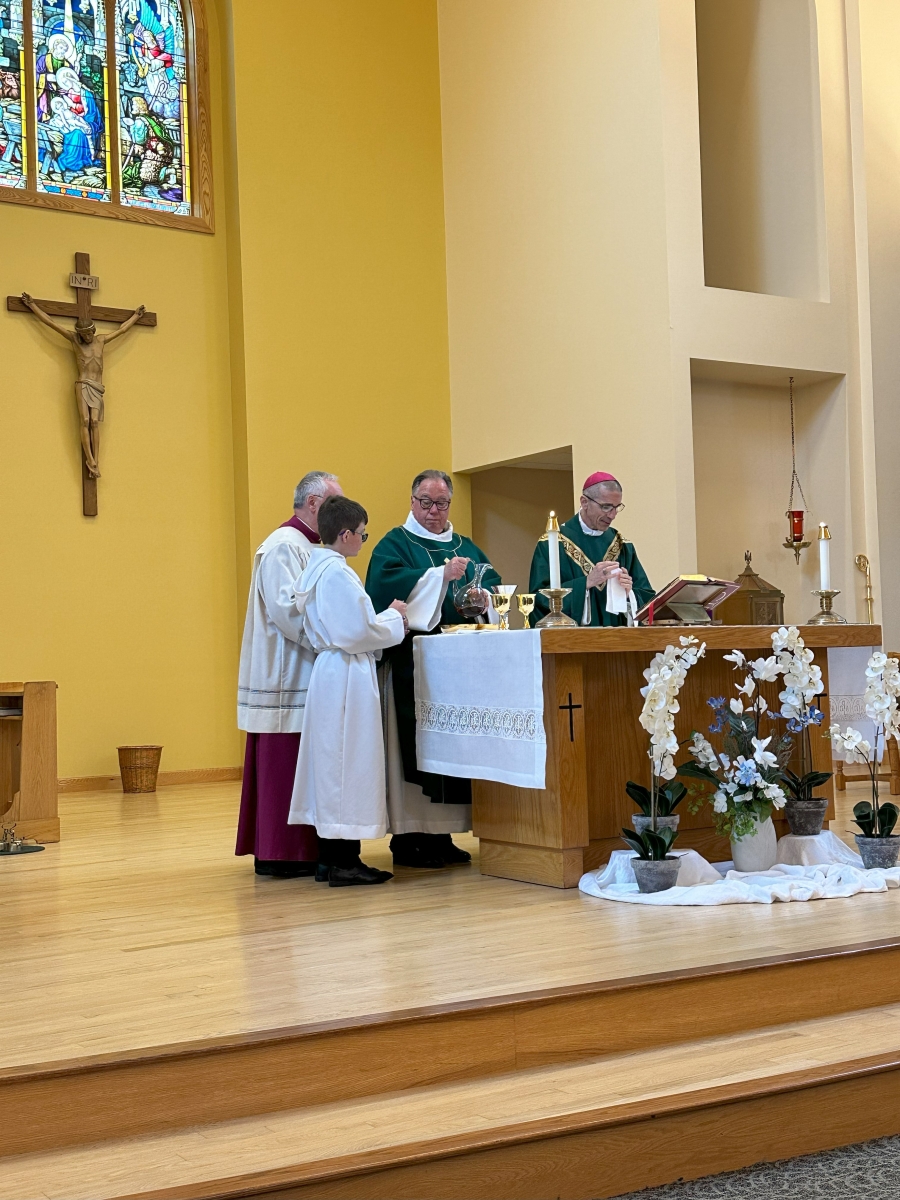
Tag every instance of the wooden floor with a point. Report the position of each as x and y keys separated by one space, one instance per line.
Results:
x=176 y=1027
x=141 y=928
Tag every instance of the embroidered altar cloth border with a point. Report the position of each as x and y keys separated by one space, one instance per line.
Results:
x=480 y=707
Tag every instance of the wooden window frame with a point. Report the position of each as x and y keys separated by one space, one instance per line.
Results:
x=200 y=219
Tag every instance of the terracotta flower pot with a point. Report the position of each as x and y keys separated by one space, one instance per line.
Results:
x=655 y=876
x=806 y=817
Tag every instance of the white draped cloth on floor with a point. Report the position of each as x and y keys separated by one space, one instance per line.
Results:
x=480 y=706
x=809 y=868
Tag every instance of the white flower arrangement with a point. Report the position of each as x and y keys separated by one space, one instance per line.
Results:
x=881 y=701
x=750 y=775
x=665 y=678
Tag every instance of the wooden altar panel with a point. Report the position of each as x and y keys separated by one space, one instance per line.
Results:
x=539 y=835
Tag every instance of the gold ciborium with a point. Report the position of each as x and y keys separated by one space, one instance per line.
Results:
x=501 y=595
x=525 y=601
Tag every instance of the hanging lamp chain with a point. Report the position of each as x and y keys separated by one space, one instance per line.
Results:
x=795 y=478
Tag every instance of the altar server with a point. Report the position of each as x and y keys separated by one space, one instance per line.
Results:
x=592 y=553
x=272 y=681
x=340 y=786
x=419 y=562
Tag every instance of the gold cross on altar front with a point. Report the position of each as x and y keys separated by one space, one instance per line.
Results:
x=88 y=347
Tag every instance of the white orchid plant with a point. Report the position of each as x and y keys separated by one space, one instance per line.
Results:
x=749 y=774
x=881 y=701
x=665 y=678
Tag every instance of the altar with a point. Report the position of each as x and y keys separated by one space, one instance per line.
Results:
x=594 y=744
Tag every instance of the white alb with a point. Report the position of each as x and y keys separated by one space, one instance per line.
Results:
x=340 y=782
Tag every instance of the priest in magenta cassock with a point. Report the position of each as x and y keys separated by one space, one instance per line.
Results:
x=273 y=678
x=591 y=553
x=420 y=562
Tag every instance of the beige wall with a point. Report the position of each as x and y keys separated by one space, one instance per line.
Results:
x=509 y=513
x=880 y=44
x=556 y=246
x=742 y=465
x=575 y=244
x=761 y=147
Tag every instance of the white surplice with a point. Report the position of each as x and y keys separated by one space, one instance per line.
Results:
x=339 y=786
x=275 y=665
x=409 y=809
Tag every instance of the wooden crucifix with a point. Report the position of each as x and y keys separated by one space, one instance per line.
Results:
x=88 y=346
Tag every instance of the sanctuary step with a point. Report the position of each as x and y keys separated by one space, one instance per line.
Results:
x=595 y=1128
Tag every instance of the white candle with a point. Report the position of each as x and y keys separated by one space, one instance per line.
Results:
x=824 y=558
x=553 y=550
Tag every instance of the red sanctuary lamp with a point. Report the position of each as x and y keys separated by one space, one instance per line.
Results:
x=795 y=540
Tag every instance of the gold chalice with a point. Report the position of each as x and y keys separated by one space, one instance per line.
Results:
x=501 y=595
x=525 y=601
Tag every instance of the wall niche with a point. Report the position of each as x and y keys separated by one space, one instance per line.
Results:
x=761 y=147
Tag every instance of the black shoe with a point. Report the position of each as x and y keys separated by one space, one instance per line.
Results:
x=283 y=868
x=322 y=873
x=357 y=875
x=415 y=850
x=450 y=852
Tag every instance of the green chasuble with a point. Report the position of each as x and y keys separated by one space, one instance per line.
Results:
x=573 y=575
x=398 y=562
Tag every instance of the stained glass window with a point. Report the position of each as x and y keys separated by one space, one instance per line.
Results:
x=13 y=162
x=96 y=98
x=151 y=61
x=72 y=112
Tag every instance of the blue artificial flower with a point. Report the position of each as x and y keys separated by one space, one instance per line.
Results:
x=717 y=702
x=746 y=773
x=816 y=716
x=719 y=723
x=795 y=725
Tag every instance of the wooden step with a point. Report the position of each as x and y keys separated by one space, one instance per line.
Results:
x=589 y=1129
x=170 y=1087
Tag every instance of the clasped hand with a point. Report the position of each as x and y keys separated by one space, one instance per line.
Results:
x=400 y=606
x=604 y=571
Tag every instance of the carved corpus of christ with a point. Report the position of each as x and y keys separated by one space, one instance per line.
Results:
x=88 y=346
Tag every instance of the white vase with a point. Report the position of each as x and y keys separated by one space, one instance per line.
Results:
x=758 y=850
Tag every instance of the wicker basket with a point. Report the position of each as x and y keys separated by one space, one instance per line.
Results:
x=138 y=766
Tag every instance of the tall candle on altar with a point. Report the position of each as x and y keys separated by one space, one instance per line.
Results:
x=824 y=558
x=553 y=549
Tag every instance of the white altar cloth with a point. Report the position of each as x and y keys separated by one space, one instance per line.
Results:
x=480 y=706
x=829 y=870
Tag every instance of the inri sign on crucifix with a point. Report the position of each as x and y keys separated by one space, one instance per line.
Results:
x=88 y=346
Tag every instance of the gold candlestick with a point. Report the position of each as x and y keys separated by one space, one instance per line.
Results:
x=555 y=617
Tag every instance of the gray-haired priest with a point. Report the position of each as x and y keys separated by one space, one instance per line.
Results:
x=272 y=682
x=416 y=562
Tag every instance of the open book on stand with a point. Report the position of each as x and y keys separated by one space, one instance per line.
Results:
x=687 y=600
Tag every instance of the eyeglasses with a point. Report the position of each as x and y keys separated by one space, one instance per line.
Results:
x=356 y=533
x=427 y=504
x=608 y=510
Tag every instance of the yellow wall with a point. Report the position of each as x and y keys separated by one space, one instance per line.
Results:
x=343 y=280
x=132 y=612
x=309 y=331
